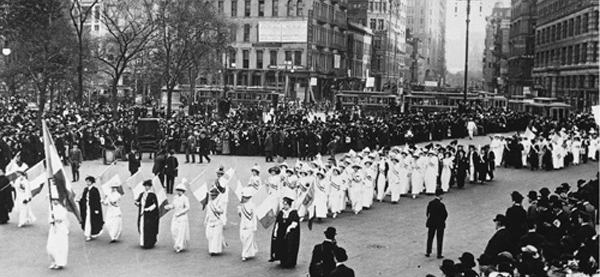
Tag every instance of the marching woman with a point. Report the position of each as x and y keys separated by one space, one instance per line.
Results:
x=304 y=183
x=23 y=199
x=148 y=216
x=274 y=180
x=381 y=177
x=254 y=181
x=285 y=239
x=403 y=182
x=369 y=183
x=214 y=223
x=417 y=173
x=114 y=220
x=336 y=193
x=394 y=179
x=180 y=226
x=58 y=235
x=431 y=172
x=248 y=224
x=447 y=165
x=355 y=188
x=321 y=193
x=90 y=207
x=576 y=150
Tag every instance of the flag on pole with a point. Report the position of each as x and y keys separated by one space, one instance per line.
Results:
x=201 y=194
x=596 y=113
x=529 y=134
x=265 y=213
x=226 y=178
x=36 y=175
x=56 y=174
x=238 y=190
x=260 y=196
x=109 y=177
x=161 y=196
x=134 y=182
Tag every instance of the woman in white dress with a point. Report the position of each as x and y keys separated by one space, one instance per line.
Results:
x=447 y=165
x=417 y=174
x=576 y=150
x=381 y=178
x=321 y=194
x=248 y=224
x=113 y=218
x=23 y=200
x=403 y=181
x=394 y=179
x=180 y=226
x=214 y=223
x=355 y=188
x=369 y=184
x=254 y=181
x=431 y=173
x=336 y=192
x=58 y=235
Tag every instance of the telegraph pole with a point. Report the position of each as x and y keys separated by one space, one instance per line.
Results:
x=467 y=52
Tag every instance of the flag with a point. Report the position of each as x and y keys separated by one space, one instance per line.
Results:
x=12 y=176
x=529 y=134
x=596 y=113
x=36 y=175
x=265 y=213
x=238 y=190
x=109 y=177
x=201 y=194
x=56 y=174
x=260 y=196
x=226 y=178
x=134 y=182
x=161 y=196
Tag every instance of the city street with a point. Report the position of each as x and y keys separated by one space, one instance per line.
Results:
x=386 y=240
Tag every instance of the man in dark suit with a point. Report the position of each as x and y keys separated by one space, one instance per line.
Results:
x=171 y=165
x=341 y=270
x=436 y=222
x=204 y=145
x=322 y=261
x=501 y=241
x=133 y=161
x=516 y=217
x=158 y=168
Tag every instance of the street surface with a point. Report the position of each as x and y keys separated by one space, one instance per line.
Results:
x=387 y=240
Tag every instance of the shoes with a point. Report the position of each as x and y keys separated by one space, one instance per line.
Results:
x=440 y=257
x=244 y=259
x=271 y=260
x=427 y=255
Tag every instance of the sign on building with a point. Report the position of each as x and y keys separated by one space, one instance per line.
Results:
x=283 y=31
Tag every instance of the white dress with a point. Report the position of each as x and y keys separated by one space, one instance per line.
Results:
x=498 y=148
x=403 y=181
x=180 y=226
x=431 y=173
x=248 y=224
x=417 y=175
x=355 y=190
x=320 y=200
x=23 y=189
x=113 y=217
x=576 y=151
x=58 y=236
x=368 y=187
x=394 y=181
x=447 y=164
x=214 y=226
x=336 y=194
x=381 y=180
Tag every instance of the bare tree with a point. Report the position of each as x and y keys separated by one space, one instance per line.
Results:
x=129 y=32
x=79 y=15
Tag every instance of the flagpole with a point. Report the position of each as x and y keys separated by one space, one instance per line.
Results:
x=45 y=136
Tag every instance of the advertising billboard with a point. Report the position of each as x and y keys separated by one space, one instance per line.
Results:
x=295 y=31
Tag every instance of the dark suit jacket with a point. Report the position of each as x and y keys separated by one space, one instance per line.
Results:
x=516 y=221
x=533 y=238
x=501 y=241
x=436 y=214
x=171 y=165
x=323 y=253
x=342 y=271
x=134 y=163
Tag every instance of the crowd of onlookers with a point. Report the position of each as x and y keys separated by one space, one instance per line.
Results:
x=554 y=234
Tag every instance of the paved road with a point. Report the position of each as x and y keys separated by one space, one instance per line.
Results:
x=387 y=240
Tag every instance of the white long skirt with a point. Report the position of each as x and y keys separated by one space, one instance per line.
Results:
x=214 y=235
x=320 y=204
x=355 y=192
x=416 y=180
x=25 y=214
x=249 y=247
x=58 y=244
x=394 y=188
x=336 y=201
x=430 y=182
x=180 y=231
x=113 y=222
x=403 y=183
x=367 y=196
x=445 y=178
x=381 y=187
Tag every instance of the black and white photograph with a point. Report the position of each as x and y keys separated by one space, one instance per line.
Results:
x=300 y=138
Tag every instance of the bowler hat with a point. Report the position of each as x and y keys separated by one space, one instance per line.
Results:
x=467 y=259
x=330 y=232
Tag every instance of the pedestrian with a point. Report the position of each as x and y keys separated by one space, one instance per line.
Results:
x=133 y=161
x=158 y=168
x=501 y=241
x=204 y=146
x=516 y=217
x=285 y=239
x=323 y=257
x=23 y=199
x=148 y=216
x=180 y=228
x=268 y=145
x=471 y=127
x=90 y=208
x=114 y=220
x=214 y=223
x=7 y=195
x=436 y=222
x=448 y=268
x=58 y=235
x=171 y=170
x=466 y=265
x=75 y=158
x=190 y=147
x=341 y=270
x=248 y=223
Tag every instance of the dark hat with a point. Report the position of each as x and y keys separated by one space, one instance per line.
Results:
x=447 y=266
x=516 y=196
x=221 y=170
x=532 y=194
x=544 y=191
x=275 y=169
x=454 y=142
x=580 y=182
x=288 y=200
x=500 y=218
x=91 y=179
x=340 y=254
x=467 y=259
x=439 y=192
x=147 y=183
x=565 y=186
x=543 y=202
x=330 y=232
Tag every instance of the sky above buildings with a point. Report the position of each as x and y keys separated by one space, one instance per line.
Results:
x=455 y=33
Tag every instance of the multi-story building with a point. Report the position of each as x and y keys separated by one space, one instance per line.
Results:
x=521 y=44
x=495 y=55
x=426 y=20
x=283 y=44
x=566 y=51
x=360 y=40
x=387 y=20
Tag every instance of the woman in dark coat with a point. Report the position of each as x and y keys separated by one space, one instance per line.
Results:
x=148 y=216
x=7 y=194
x=90 y=208
x=286 y=236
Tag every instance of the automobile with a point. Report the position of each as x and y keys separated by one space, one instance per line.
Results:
x=148 y=135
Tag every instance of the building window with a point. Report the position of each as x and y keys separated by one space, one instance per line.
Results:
x=584 y=47
x=245 y=58
x=299 y=8
x=275 y=8
x=232 y=57
x=97 y=13
x=373 y=23
x=220 y=8
x=247 y=7
x=594 y=51
x=261 y=7
x=584 y=23
x=234 y=7
x=370 y=6
x=273 y=57
x=576 y=54
x=577 y=25
x=259 y=59
x=290 y=8
x=297 y=57
x=380 y=26
x=288 y=56
x=384 y=7
x=246 y=32
x=571 y=23
x=96 y=28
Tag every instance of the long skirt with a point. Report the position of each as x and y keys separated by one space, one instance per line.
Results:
x=336 y=201
x=114 y=225
x=430 y=182
x=180 y=231
x=445 y=178
x=249 y=247
x=214 y=235
x=381 y=186
x=355 y=192
x=416 y=180
x=403 y=182
x=58 y=244
x=367 y=196
x=25 y=214
x=320 y=203
x=394 y=188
